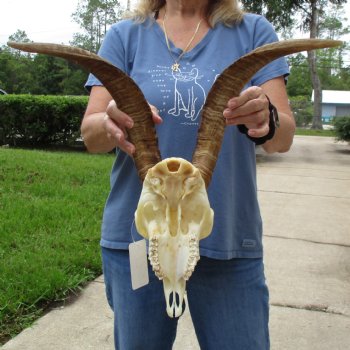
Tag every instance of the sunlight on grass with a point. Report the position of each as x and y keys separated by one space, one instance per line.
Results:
x=50 y=215
x=311 y=132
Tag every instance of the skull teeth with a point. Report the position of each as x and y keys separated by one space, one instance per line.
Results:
x=192 y=258
x=153 y=257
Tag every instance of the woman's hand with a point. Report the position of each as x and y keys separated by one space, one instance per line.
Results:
x=117 y=123
x=251 y=108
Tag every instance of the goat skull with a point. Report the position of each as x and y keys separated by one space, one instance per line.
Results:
x=174 y=214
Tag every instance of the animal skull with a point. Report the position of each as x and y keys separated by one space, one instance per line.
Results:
x=174 y=214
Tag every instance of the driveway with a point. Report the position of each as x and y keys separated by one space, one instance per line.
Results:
x=305 y=204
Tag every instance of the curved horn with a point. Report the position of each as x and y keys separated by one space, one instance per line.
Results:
x=124 y=91
x=229 y=84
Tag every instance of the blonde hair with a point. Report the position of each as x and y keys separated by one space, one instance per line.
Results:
x=225 y=11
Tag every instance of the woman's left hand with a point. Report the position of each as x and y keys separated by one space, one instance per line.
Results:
x=250 y=108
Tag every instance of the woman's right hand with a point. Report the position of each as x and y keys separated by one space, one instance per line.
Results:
x=104 y=126
x=117 y=123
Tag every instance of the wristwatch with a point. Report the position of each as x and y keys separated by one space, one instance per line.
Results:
x=274 y=123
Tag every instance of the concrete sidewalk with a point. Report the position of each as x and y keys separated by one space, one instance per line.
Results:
x=305 y=203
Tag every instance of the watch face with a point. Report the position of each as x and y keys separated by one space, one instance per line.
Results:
x=275 y=115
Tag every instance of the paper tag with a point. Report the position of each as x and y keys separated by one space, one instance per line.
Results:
x=138 y=264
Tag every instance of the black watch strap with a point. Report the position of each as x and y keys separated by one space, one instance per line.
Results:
x=273 y=124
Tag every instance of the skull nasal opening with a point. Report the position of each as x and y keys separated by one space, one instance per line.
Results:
x=173 y=165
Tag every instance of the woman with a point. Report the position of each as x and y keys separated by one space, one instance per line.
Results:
x=175 y=50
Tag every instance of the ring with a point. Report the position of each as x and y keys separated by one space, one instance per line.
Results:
x=105 y=117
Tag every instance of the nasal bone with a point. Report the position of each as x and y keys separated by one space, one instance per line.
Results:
x=173 y=165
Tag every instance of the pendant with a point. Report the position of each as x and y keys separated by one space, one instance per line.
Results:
x=175 y=67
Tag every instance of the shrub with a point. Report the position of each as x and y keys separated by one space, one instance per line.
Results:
x=40 y=120
x=342 y=128
x=302 y=110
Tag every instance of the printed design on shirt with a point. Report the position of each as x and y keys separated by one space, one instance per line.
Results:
x=189 y=95
x=182 y=93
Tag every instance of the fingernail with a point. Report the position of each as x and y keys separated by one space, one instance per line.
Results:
x=129 y=124
x=118 y=136
x=226 y=112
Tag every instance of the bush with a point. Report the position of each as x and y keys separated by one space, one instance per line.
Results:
x=302 y=110
x=342 y=128
x=40 y=120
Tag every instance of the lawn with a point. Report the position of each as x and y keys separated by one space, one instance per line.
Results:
x=311 y=132
x=50 y=214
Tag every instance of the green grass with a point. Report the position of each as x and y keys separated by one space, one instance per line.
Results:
x=50 y=215
x=311 y=132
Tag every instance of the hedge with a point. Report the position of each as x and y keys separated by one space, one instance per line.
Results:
x=34 y=120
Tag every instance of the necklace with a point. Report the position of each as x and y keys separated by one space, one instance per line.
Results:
x=176 y=66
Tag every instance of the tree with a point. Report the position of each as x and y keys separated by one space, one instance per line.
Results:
x=302 y=110
x=18 y=36
x=332 y=27
x=330 y=62
x=94 y=17
x=22 y=73
x=299 y=81
x=311 y=13
x=15 y=66
x=15 y=76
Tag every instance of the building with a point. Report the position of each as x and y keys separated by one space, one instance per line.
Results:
x=334 y=104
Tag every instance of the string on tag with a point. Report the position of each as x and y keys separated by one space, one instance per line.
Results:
x=132 y=225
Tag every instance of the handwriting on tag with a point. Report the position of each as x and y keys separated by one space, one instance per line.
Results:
x=138 y=264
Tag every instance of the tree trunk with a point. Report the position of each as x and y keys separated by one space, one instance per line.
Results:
x=316 y=83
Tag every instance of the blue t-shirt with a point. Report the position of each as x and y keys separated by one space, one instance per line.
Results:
x=141 y=51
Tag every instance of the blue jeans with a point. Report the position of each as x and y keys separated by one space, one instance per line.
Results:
x=228 y=301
